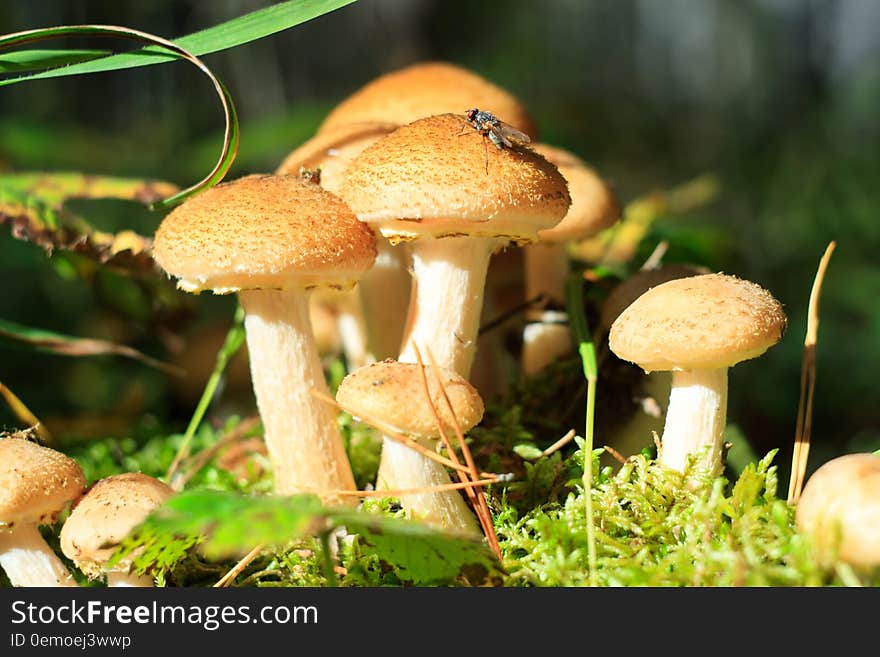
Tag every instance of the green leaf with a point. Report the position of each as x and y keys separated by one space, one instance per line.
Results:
x=71 y=346
x=527 y=451
x=22 y=61
x=235 y=32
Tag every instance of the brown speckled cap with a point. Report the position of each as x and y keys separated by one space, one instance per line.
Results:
x=840 y=509
x=105 y=515
x=394 y=392
x=35 y=482
x=634 y=286
x=700 y=322
x=263 y=231
x=332 y=150
x=430 y=178
x=593 y=205
x=426 y=89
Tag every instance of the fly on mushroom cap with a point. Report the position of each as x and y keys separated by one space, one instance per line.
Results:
x=104 y=516
x=425 y=89
x=840 y=509
x=698 y=322
x=36 y=483
x=263 y=231
x=429 y=178
x=394 y=392
x=697 y=327
x=272 y=239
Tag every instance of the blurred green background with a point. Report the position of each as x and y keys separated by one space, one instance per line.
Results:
x=779 y=99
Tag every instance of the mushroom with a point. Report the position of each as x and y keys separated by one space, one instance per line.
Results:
x=633 y=430
x=36 y=483
x=103 y=517
x=593 y=208
x=271 y=239
x=393 y=391
x=426 y=184
x=697 y=327
x=840 y=509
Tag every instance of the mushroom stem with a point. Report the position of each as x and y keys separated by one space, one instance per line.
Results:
x=353 y=331
x=545 y=338
x=695 y=419
x=119 y=578
x=302 y=436
x=446 y=300
x=29 y=561
x=384 y=291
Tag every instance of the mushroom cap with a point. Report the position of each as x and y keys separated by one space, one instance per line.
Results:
x=425 y=89
x=394 y=392
x=263 y=231
x=332 y=150
x=700 y=322
x=105 y=515
x=35 y=482
x=840 y=509
x=593 y=204
x=429 y=178
x=635 y=285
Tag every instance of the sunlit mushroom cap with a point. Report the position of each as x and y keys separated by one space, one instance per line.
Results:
x=429 y=178
x=700 y=322
x=394 y=393
x=634 y=286
x=426 y=89
x=263 y=231
x=35 y=482
x=332 y=150
x=840 y=509
x=593 y=205
x=105 y=515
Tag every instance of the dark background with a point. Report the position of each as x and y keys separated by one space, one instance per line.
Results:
x=779 y=99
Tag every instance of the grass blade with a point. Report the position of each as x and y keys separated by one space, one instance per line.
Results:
x=235 y=32
x=22 y=61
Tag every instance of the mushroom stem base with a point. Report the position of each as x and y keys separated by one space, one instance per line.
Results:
x=29 y=561
x=695 y=420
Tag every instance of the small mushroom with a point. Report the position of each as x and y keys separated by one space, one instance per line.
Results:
x=36 y=483
x=103 y=517
x=697 y=327
x=272 y=239
x=840 y=509
x=394 y=393
x=593 y=208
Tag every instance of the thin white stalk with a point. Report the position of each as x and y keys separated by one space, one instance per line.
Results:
x=444 y=317
x=119 y=578
x=695 y=419
x=29 y=561
x=384 y=290
x=544 y=339
x=302 y=436
x=353 y=332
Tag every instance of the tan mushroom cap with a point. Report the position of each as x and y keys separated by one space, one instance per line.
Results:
x=394 y=393
x=701 y=322
x=429 y=178
x=634 y=286
x=593 y=204
x=840 y=509
x=105 y=515
x=263 y=231
x=332 y=151
x=426 y=89
x=35 y=482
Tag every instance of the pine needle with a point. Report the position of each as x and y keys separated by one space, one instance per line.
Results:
x=236 y=570
x=808 y=384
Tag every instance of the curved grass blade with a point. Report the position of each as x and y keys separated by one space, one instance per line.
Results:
x=22 y=61
x=25 y=415
x=244 y=29
x=70 y=346
x=231 y=132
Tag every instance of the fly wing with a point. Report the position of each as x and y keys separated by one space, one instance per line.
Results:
x=511 y=135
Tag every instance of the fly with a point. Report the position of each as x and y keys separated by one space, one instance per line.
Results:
x=502 y=134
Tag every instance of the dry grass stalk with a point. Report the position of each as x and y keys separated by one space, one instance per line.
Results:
x=804 y=424
x=236 y=570
x=200 y=459
x=559 y=444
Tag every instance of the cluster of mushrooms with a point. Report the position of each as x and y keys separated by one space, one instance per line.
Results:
x=388 y=221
